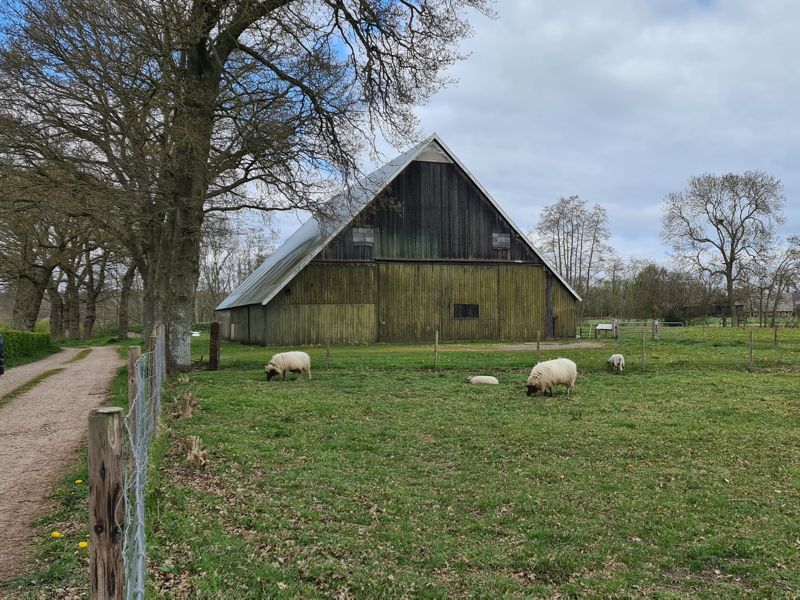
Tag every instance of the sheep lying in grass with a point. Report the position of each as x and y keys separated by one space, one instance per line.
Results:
x=547 y=375
x=616 y=363
x=294 y=362
x=477 y=379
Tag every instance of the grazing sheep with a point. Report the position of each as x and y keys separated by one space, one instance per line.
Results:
x=476 y=379
x=546 y=375
x=616 y=363
x=295 y=362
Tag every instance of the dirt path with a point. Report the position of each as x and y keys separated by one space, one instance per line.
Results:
x=18 y=376
x=40 y=432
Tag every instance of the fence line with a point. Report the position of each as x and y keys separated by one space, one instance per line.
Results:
x=141 y=426
x=146 y=373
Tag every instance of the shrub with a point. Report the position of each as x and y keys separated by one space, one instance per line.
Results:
x=23 y=344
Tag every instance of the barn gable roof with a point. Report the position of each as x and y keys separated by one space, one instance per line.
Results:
x=304 y=244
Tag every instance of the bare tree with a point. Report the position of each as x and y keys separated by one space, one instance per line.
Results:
x=776 y=271
x=575 y=238
x=190 y=107
x=233 y=247
x=721 y=223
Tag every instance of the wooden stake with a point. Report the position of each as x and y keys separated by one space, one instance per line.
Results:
x=538 y=347
x=106 y=504
x=436 y=351
x=213 y=356
x=134 y=352
x=327 y=353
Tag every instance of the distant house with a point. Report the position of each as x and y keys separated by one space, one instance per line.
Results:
x=785 y=307
x=422 y=248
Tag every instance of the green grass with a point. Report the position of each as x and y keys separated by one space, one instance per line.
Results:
x=29 y=385
x=382 y=478
x=79 y=356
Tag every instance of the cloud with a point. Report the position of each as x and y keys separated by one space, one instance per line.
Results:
x=621 y=101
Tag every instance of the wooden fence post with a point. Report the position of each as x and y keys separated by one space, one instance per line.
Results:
x=106 y=503
x=750 y=361
x=213 y=352
x=134 y=352
x=655 y=329
x=538 y=347
x=436 y=351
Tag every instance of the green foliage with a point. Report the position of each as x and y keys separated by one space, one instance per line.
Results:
x=22 y=346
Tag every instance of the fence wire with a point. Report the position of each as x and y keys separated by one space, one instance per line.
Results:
x=141 y=426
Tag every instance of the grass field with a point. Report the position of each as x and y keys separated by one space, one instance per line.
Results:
x=383 y=478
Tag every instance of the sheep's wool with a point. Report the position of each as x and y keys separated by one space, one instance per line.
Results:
x=486 y=379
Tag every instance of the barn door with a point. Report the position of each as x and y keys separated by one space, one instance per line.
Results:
x=409 y=296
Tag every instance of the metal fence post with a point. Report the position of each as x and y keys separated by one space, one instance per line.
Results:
x=538 y=347
x=750 y=361
x=436 y=351
x=106 y=503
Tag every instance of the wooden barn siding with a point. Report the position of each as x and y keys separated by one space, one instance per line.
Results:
x=239 y=325
x=325 y=302
x=405 y=302
x=224 y=318
x=320 y=323
x=564 y=311
x=431 y=211
x=417 y=299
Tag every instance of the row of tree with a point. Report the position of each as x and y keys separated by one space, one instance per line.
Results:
x=144 y=117
x=722 y=231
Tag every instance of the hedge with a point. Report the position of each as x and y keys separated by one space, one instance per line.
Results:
x=20 y=345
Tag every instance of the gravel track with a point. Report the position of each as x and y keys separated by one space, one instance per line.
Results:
x=40 y=434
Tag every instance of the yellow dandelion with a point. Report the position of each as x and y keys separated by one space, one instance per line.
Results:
x=83 y=544
x=79 y=481
x=56 y=534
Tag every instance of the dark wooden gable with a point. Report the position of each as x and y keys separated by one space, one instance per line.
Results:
x=430 y=211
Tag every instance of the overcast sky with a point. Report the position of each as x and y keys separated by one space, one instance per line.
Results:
x=620 y=102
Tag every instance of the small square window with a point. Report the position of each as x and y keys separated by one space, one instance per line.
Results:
x=501 y=240
x=363 y=236
x=465 y=311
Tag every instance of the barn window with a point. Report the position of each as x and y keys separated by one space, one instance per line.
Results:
x=501 y=240
x=364 y=236
x=465 y=311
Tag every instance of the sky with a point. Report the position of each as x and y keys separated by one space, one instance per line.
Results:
x=620 y=102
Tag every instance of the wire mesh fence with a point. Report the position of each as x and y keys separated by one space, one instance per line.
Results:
x=141 y=426
x=676 y=349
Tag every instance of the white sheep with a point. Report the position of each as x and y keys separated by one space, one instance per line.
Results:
x=546 y=375
x=283 y=362
x=616 y=363
x=487 y=379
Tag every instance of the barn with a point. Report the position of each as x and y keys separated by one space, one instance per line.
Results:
x=416 y=247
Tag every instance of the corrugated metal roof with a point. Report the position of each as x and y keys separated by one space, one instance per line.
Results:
x=305 y=243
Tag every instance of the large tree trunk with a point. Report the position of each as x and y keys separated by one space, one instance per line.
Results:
x=27 y=301
x=56 y=311
x=72 y=310
x=732 y=301
x=124 y=303
x=90 y=317
x=179 y=260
